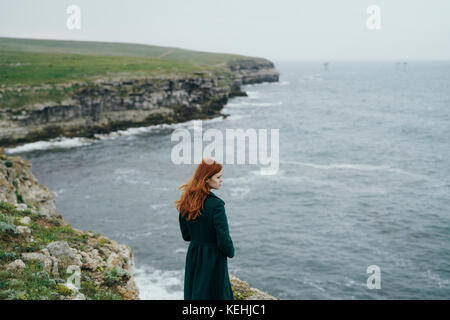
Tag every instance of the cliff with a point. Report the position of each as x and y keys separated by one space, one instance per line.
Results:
x=84 y=108
x=43 y=257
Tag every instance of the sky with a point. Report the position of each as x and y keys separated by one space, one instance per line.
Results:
x=276 y=30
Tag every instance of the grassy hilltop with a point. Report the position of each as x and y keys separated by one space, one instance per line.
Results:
x=34 y=70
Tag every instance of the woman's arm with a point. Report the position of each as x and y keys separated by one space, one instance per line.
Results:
x=224 y=241
x=184 y=228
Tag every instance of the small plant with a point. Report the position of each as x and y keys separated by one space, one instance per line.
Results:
x=8 y=256
x=7 y=218
x=115 y=276
x=7 y=207
x=19 y=197
x=8 y=228
x=62 y=289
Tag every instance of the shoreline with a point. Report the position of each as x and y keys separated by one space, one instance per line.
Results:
x=109 y=105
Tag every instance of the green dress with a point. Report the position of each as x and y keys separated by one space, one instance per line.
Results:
x=206 y=271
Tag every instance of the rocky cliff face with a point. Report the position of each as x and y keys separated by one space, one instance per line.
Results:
x=108 y=105
x=250 y=71
x=44 y=257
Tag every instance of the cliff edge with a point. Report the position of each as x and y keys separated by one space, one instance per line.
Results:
x=43 y=257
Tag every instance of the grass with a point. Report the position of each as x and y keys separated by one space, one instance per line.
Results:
x=118 y=49
x=36 y=71
x=33 y=282
x=30 y=78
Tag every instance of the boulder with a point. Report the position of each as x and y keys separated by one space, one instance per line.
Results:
x=25 y=220
x=36 y=256
x=23 y=229
x=16 y=265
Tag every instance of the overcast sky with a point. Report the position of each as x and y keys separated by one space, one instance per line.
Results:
x=274 y=29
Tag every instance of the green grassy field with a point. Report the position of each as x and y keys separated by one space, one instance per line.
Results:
x=37 y=66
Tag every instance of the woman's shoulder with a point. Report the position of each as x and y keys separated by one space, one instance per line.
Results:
x=214 y=200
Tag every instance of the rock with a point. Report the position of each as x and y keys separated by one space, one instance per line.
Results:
x=92 y=260
x=63 y=253
x=61 y=250
x=54 y=266
x=114 y=261
x=25 y=220
x=17 y=179
x=21 y=206
x=23 y=229
x=36 y=256
x=246 y=293
x=79 y=296
x=16 y=265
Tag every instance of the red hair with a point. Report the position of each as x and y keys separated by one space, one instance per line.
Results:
x=196 y=190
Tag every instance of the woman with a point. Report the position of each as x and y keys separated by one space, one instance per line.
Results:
x=204 y=223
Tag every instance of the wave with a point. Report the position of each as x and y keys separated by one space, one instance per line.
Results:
x=155 y=284
x=240 y=192
x=130 y=176
x=65 y=142
x=361 y=167
x=253 y=104
x=57 y=143
x=252 y=94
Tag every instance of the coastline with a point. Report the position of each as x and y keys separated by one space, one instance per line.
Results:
x=106 y=105
x=36 y=240
x=29 y=218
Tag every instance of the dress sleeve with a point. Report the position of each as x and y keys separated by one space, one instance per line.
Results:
x=224 y=241
x=184 y=228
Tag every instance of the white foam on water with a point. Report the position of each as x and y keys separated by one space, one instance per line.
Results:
x=57 y=143
x=159 y=206
x=64 y=142
x=361 y=167
x=253 y=104
x=132 y=235
x=58 y=192
x=253 y=94
x=251 y=176
x=237 y=117
x=130 y=175
x=155 y=284
x=239 y=192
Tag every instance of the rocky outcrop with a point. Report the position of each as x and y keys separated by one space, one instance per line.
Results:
x=38 y=246
x=242 y=291
x=250 y=71
x=104 y=105
x=19 y=185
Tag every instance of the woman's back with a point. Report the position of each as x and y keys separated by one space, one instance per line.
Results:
x=206 y=272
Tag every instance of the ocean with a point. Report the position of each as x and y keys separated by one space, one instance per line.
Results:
x=363 y=182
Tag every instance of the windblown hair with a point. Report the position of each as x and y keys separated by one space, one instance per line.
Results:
x=196 y=190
